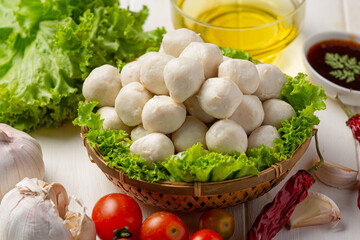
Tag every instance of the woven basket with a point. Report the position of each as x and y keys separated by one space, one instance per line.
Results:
x=187 y=197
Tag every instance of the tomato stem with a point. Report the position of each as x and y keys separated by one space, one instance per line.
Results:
x=122 y=233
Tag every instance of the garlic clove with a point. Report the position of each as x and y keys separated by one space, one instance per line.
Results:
x=336 y=175
x=31 y=187
x=58 y=195
x=316 y=209
x=81 y=226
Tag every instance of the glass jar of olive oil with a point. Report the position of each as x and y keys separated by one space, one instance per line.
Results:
x=261 y=27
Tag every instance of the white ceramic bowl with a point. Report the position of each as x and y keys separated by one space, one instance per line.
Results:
x=347 y=96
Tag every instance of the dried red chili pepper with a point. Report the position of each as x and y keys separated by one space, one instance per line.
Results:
x=354 y=120
x=354 y=124
x=274 y=215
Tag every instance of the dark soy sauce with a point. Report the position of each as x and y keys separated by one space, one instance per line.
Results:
x=316 y=58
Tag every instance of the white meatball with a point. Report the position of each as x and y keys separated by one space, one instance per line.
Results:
x=243 y=72
x=277 y=110
x=103 y=85
x=130 y=73
x=153 y=147
x=193 y=107
x=190 y=133
x=162 y=114
x=249 y=114
x=271 y=81
x=146 y=55
x=219 y=97
x=208 y=54
x=138 y=132
x=174 y=42
x=112 y=120
x=130 y=103
x=265 y=134
x=226 y=136
x=183 y=77
x=152 y=72
x=225 y=58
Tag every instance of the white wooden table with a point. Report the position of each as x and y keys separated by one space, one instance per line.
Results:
x=67 y=162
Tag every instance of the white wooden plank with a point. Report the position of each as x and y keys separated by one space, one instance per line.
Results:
x=352 y=16
x=159 y=14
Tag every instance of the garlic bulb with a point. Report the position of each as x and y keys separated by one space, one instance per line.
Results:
x=20 y=157
x=316 y=209
x=37 y=210
x=336 y=175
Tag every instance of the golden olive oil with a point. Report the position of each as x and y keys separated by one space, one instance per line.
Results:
x=258 y=27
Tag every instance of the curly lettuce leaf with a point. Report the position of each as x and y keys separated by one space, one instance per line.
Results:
x=294 y=132
x=235 y=53
x=303 y=96
x=199 y=165
x=264 y=156
x=35 y=86
x=87 y=117
x=48 y=47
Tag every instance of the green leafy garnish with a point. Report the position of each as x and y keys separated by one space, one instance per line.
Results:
x=86 y=116
x=235 y=53
x=197 y=164
x=345 y=68
x=48 y=47
x=304 y=97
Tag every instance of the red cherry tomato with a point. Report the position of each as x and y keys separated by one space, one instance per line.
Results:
x=206 y=234
x=116 y=211
x=219 y=221
x=163 y=226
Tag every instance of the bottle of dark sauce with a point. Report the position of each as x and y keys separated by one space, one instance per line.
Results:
x=316 y=58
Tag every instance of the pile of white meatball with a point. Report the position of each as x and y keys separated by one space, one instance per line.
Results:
x=186 y=93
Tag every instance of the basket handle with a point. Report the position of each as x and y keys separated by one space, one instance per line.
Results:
x=197 y=189
x=121 y=176
x=278 y=170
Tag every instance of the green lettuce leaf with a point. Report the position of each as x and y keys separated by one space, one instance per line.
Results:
x=305 y=98
x=264 y=156
x=235 y=53
x=294 y=132
x=199 y=165
x=302 y=95
x=87 y=117
x=48 y=47
x=36 y=87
